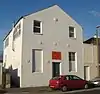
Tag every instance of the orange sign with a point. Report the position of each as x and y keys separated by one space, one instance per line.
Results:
x=56 y=55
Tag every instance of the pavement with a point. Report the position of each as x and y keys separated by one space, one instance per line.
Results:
x=43 y=91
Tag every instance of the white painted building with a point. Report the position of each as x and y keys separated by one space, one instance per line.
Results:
x=44 y=44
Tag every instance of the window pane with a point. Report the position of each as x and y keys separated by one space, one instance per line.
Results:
x=17 y=32
x=67 y=77
x=36 y=30
x=72 y=66
x=19 y=26
x=76 y=78
x=71 y=31
x=36 y=23
x=71 y=56
x=33 y=60
x=71 y=34
x=6 y=42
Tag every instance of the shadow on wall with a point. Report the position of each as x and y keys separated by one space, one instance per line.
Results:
x=15 y=79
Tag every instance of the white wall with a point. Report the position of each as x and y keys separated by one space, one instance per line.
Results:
x=52 y=32
x=90 y=59
x=13 y=58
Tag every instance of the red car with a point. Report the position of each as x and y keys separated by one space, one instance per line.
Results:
x=65 y=82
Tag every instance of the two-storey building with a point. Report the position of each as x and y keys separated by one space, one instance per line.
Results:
x=42 y=45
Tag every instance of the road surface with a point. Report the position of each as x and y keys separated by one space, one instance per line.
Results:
x=88 y=91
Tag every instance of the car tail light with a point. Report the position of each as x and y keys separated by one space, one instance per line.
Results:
x=57 y=82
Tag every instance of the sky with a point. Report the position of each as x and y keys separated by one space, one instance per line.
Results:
x=85 y=12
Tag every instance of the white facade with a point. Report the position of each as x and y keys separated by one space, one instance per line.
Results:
x=54 y=36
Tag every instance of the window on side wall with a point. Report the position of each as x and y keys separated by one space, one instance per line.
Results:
x=19 y=28
x=72 y=32
x=72 y=61
x=37 y=28
x=37 y=60
x=17 y=31
x=6 y=42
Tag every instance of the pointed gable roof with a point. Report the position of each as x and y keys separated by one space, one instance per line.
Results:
x=53 y=6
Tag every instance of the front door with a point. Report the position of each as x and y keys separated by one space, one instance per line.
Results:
x=55 y=69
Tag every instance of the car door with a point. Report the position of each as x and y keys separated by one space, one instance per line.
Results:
x=66 y=81
x=70 y=82
x=77 y=82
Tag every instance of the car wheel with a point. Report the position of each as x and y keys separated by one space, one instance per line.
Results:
x=86 y=86
x=64 y=88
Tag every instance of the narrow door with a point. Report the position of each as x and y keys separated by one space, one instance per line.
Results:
x=55 y=69
x=86 y=73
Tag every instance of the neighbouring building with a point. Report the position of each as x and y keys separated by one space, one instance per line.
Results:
x=90 y=58
x=42 y=45
x=1 y=63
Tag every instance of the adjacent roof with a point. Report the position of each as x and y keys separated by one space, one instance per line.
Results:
x=91 y=40
x=88 y=41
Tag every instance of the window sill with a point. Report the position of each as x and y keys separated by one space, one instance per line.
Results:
x=72 y=38
x=38 y=33
x=37 y=72
x=72 y=71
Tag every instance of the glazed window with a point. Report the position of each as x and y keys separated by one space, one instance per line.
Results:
x=17 y=31
x=71 y=32
x=37 y=28
x=72 y=61
x=6 y=42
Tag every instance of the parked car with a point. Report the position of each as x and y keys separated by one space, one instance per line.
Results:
x=96 y=81
x=66 y=82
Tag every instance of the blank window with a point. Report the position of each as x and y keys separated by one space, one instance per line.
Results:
x=37 y=60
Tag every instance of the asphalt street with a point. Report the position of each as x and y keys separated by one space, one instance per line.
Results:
x=88 y=91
